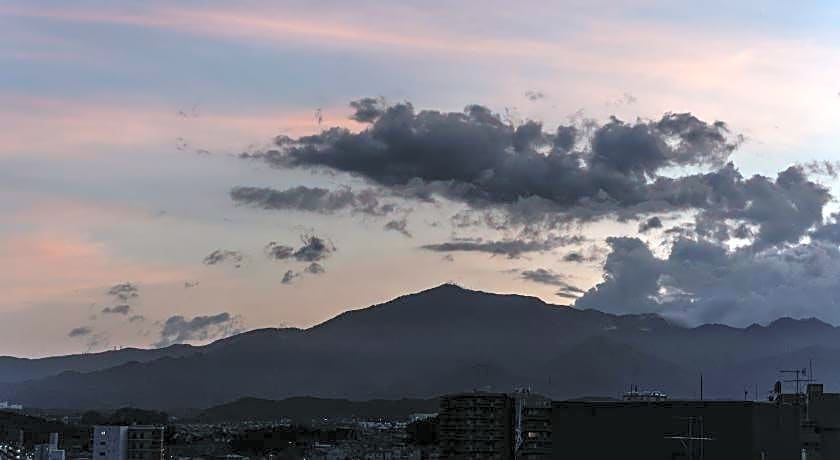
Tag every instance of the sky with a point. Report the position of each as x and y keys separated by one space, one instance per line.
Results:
x=178 y=172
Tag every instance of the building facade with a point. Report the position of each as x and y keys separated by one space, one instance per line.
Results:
x=533 y=426
x=145 y=442
x=110 y=442
x=820 y=422
x=476 y=425
x=49 y=451
x=723 y=430
x=136 y=442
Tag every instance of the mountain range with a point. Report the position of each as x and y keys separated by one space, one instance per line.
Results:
x=441 y=340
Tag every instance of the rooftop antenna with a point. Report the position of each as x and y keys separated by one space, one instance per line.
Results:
x=799 y=376
x=695 y=424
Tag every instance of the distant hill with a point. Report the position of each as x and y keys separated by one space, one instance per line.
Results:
x=449 y=339
x=20 y=369
x=305 y=409
x=37 y=430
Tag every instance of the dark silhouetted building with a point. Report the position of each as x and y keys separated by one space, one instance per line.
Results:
x=820 y=422
x=145 y=442
x=670 y=430
x=476 y=425
x=49 y=451
x=532 y=426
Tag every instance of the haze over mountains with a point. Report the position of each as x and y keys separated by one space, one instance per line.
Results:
x=444 y=339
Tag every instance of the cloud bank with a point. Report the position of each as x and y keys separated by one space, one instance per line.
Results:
x=477 y=158
x=745 y=248
x=704 y=282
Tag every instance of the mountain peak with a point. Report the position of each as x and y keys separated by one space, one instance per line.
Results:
x=788 y=322
x=445 y=287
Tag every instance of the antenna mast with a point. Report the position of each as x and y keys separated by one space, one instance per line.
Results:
x=687 y=440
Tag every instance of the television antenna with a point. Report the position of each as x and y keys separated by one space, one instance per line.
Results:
x=800 y=376
x=693 y=441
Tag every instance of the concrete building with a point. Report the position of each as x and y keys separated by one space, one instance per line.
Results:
x=526 y=426
x=820 y=422
x=532 y=426
x=136 y=442
x=476 y=425
x=49 y=451
x=110 y=442
x=723 y=430
x=145 y=442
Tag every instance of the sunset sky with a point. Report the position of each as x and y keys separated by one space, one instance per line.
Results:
x=147 y=199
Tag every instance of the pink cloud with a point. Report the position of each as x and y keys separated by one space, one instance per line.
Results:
x=57 y=259
x=49 y=264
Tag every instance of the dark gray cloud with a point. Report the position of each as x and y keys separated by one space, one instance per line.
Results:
x=289 y=276
x=591 y=254
x=512 y=248
x=543 y=276
x=574 y=256
x=523 y=174
x=783 y=210
x=91 y=339
x=569 y=292
x=705 y=282
x=136 y=318
x=224 y=256
x=313 y=249
x=534 y=96
x=277 y=251
x=368 y=109
x=552 y=278
x=526 y=174
x=829 y=231
x=631 y=274
x=124 y=291
x=398 y=225
x=178 y=329
x=313 y=199
x=315 y=268
x=824 y=168
x=476 y=157
x=117 y=309
x=80 y=332
x=650 y=224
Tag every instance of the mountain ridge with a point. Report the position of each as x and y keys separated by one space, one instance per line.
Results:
x=444 y=339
